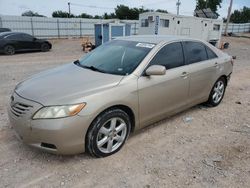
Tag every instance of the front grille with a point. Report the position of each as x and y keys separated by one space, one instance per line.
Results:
x=20 y=109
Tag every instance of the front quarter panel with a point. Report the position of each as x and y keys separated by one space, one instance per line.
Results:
x=124 y=93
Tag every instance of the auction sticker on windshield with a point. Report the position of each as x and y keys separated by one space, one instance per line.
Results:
x=145 y=45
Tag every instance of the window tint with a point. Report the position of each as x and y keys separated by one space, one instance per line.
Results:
x=117 y=56
x=195 y=52
x=210 y=53
x=27 y=37
x=13 y=37
x=170 y=56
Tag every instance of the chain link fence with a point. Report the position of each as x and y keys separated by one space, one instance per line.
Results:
x=237 y=28
x=75 y=27
x=56 y=27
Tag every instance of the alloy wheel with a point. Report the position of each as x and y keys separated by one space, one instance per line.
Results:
x=218 y=91
x=111 y=135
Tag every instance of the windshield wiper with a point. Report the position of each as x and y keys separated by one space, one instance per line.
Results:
x=93 y=68
x=77 y=62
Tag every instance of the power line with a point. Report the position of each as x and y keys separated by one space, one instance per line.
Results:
x=91 y=6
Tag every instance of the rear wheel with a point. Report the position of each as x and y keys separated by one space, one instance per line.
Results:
x=45 y=47
x=9 y=50
x=217 y=92
x=108 y=133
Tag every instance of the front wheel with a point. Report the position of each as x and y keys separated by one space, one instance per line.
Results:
x=45 y=47
x=108 y=133
x=217 y=92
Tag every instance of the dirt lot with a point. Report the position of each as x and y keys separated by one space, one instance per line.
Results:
x=212 y=150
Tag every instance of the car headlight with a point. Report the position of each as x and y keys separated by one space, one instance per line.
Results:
x=52 y=112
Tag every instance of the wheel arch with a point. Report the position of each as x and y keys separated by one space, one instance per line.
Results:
x=224 y=77
x=125 y=108
x=47 y=42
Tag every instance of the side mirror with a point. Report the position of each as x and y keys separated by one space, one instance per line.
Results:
x=155 y=70
x=34 y=39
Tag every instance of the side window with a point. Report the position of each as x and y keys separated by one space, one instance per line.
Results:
x=170 y=56
x=164 y=23
x=210 y=53
x=144 y=23
x=27 y=37
x=13 y=37
x=216 y=27
x=194 y=52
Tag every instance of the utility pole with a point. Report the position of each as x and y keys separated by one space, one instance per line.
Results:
x=69 y=8
x=178 y=6
x=228 y=16
x=206 y=3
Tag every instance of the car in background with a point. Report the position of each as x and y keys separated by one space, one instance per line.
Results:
x=123 y=85
x=4 y=30
x=12 y=42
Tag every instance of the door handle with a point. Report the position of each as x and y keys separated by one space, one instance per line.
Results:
x=184 y=75
x=216 y=65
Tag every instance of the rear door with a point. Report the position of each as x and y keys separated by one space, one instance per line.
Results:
x=15 y=40
x=202 y=70
x=162 y=95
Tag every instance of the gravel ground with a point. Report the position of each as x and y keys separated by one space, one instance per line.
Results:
x=211 y=150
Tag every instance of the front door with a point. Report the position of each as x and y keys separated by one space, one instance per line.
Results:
x=162 y=95
x=29 y=42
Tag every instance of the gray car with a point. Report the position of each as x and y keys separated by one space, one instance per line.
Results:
x=124 y=85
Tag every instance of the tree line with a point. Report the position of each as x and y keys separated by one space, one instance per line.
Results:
x=125 y=12
x=121 y=12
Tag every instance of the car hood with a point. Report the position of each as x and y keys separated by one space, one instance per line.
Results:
x=66 y=84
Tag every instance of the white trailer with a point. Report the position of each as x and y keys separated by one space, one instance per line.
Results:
x=156 y=23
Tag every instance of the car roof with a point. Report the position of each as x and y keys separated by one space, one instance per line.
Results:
x=156 y=39
x=10 y=33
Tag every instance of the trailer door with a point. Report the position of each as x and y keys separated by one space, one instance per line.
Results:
x=178 y=26
x=205 y=30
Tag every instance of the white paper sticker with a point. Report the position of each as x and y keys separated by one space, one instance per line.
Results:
x=145 y=45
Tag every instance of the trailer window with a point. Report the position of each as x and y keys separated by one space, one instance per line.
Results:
x=164 y=23
x=144 y=23
x=194 y=52
x=216 y=27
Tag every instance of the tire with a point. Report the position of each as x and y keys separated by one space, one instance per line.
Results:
x=217 y=92
x=9 y=50
x=45 y=47
x=108 y=133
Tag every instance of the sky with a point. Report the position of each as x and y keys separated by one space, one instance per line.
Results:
x=98 y=7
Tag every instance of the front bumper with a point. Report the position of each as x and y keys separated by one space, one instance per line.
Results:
x=228 y=78
x=59 y=136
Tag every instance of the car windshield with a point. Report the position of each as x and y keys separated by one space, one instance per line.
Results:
x=116 y=57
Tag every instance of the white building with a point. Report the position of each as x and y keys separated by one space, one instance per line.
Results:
x=169 y=24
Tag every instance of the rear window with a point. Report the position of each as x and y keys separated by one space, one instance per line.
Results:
x=194 y=52
x=13 y=37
